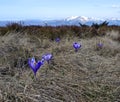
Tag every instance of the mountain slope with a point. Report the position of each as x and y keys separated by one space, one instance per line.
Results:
x=73 y=20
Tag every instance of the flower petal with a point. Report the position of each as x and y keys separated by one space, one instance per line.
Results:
x=31 y=63
x=57 y=39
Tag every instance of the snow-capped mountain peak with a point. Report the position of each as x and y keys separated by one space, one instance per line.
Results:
x=80 y=18
x=83 y=18
x=71 y=18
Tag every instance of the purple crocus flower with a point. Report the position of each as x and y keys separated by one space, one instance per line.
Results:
x=100 y=45
x=76 y=46
x=47 y=57
x=35 y=65
x=57 y=39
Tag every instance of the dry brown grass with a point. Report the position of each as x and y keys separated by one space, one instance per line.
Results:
x=90 y=75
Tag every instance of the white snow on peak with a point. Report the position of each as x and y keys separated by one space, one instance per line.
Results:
x=83 y=18
x=80 y=18
x=71 y=18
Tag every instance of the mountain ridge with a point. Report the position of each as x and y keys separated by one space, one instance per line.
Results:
x=73 y=20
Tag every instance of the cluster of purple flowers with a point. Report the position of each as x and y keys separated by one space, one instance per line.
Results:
x=35 y=65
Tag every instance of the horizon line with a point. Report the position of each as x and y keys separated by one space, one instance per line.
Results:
x=49 y=19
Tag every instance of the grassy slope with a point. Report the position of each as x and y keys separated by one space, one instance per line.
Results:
x=90 y=75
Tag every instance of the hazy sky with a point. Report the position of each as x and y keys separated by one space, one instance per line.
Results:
x=56 y=9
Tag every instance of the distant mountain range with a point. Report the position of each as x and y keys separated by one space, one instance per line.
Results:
x=74 y=20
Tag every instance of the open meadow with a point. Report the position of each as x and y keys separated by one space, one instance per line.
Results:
x=91 y=74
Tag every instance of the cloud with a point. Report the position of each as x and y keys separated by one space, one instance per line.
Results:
x=115 y=6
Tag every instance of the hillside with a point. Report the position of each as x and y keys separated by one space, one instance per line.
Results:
x=90 y=75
